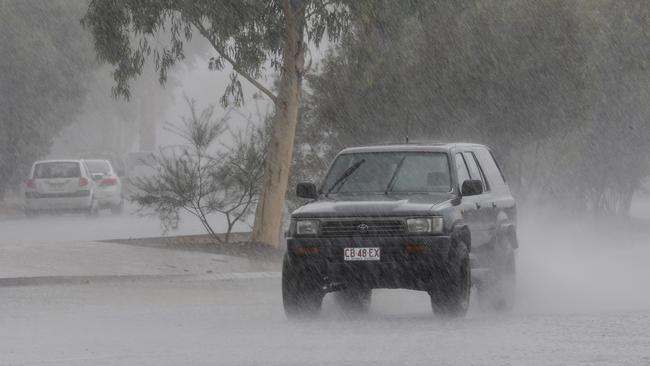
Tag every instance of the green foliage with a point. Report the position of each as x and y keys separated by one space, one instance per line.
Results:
x=201 y=180
x=247 y=34
x=556 y=87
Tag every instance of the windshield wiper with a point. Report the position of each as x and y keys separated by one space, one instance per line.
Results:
x=348 y=172
x=389 y=187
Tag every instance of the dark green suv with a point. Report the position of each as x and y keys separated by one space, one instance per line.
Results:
x=430 y=217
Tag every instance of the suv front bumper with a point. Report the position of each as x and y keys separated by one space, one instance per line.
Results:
x=412 y=262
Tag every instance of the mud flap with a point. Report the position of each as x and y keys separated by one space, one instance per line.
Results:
x=509 y=231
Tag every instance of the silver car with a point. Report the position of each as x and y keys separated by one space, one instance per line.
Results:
x=109 y=185
x=60 y=185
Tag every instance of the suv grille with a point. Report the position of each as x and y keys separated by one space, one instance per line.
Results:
x=361 y=227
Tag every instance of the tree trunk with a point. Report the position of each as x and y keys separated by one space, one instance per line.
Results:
x=268 y=216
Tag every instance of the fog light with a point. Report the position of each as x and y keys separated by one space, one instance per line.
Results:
x=417 y=248
x=306 y=250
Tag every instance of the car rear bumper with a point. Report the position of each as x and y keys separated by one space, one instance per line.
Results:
x=412 y=262
x=108 y=196
x=58 y=203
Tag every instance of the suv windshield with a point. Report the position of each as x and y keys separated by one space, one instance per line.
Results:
x=389 y=172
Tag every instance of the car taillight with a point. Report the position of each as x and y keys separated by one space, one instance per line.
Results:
x=83 y=182
x=30 y=183
x=111 y=181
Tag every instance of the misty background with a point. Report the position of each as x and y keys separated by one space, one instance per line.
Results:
x=558 y=89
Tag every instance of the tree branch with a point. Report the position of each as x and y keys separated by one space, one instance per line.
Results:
x=317 y=8
x=204 y=32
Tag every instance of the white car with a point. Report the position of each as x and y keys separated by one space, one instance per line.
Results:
x=109 y=185
x=60 y=185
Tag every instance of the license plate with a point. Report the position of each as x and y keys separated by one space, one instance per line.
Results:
x=56 y=187
x=361 y=254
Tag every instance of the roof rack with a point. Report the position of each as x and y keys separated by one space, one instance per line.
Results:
x=411 y=142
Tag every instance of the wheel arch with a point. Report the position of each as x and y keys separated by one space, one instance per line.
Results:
x=460 y=233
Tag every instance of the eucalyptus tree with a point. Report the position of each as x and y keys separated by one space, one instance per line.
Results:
x=252 y=36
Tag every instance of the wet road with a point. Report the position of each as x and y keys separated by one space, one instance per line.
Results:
x=240 y=322
x=582 y=300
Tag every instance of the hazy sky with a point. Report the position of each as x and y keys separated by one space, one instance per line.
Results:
x=206 y=87
x=193 y=79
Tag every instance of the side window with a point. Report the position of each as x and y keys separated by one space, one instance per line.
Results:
x=498 y=166
x=461 y=168
x=475 y=170
x=490 y=168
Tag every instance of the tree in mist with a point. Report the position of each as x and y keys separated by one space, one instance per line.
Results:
x=46 y=62
x=250 y=36
x=555 y=87
x=200 y=179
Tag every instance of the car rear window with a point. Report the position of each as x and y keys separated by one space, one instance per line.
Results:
x=98 y=166
x=57 y=170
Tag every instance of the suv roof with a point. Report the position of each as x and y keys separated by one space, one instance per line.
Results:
x=415 y=146
x=58 y=161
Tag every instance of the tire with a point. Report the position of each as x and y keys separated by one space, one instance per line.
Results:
x=301 y=293
x=118 y=209
x=450 y=298
x=93 y=210
x=498 y=292
x=354 y=300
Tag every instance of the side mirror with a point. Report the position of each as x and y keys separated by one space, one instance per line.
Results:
x=472 y=188
x=307 y=190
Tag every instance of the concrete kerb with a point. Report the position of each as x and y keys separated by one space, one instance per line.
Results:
x=100 y=279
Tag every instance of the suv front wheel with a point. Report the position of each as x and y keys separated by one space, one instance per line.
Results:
x=301 y=293
x=450 y=296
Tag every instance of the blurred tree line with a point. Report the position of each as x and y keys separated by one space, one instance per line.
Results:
x=107 y=127
x=43 y=75
x=55 y=97
x=559 y=89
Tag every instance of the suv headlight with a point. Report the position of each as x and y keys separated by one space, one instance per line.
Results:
x=307 y=227
x=424 y=225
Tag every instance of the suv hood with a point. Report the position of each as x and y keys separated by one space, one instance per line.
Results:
x=374 y=205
